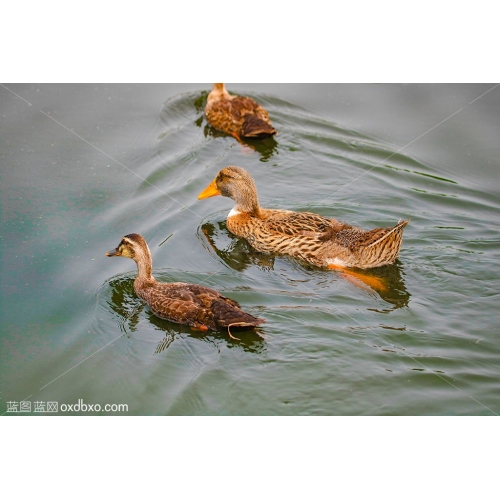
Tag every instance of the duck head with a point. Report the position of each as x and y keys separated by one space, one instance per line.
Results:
x=237 y=184
x=134 y=247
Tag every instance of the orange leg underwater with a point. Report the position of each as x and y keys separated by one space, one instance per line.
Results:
x=198 y=327
x=358 y=279
x=245 y=148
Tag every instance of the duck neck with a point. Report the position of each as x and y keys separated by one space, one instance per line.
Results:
x=144 y=265
x=144 y=269
x=249 y=204
x=218 y=92
x=249 y=207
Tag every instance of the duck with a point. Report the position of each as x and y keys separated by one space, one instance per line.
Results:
x=198 y=306
x=237 y=115
x=317 y=240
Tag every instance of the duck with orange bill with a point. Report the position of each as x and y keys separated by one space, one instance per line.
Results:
x=318 y=240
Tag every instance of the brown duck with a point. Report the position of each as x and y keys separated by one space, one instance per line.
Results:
x=239 y=116
x=194 y=305
x=318 y=240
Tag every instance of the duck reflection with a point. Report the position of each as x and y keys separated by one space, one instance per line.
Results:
x=200 y=102
x=250 y=341
x=236 y=253
x=125 y=304
x=387 y=281
x=265 y=147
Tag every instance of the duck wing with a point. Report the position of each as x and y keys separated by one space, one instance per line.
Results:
x=356 y=239
x=225 y=311
x=195 y=305
x=302 y=223
x=173 y=301
x=255 y=127
x=240 y=115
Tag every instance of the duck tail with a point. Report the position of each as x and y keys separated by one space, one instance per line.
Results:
x=378 y=247
x=226 y=315
x=256 y=128
x=382 y=246
x=394 y=234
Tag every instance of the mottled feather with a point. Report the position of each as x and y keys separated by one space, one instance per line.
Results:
x=318 y=240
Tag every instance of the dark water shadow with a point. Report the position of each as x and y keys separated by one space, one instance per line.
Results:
x=124 y=303
x=265 y=147
x=248 y=340
x=128 y=308
x=392 y=276
x=235 y=253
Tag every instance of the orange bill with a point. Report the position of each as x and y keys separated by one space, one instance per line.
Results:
x=209 y=191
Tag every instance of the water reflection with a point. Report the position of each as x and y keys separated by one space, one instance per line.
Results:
x=124 y=303
x=265 y=147
x=250 y=341
x=200 y=102
x=387 y=281
x=392 y=277
x=235 y=252
x=128 y=308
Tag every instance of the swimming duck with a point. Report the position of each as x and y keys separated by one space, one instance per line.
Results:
x=318 y=240
x=239 y=116
x=195 y=305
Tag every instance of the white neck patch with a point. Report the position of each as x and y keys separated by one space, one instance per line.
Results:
x=233 y=212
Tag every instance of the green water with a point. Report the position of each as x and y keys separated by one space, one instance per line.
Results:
x=83 y=165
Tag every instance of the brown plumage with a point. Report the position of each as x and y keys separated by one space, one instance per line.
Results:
x=318 y=240
x=239 y=116
x=195 y=305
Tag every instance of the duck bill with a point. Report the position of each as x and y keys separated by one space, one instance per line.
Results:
x=113 y=253
x=209 y=191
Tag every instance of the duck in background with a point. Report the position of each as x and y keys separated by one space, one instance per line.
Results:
x=197 y=306
x=236 y=115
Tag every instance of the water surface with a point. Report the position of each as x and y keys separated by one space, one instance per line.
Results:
x=83 y=165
